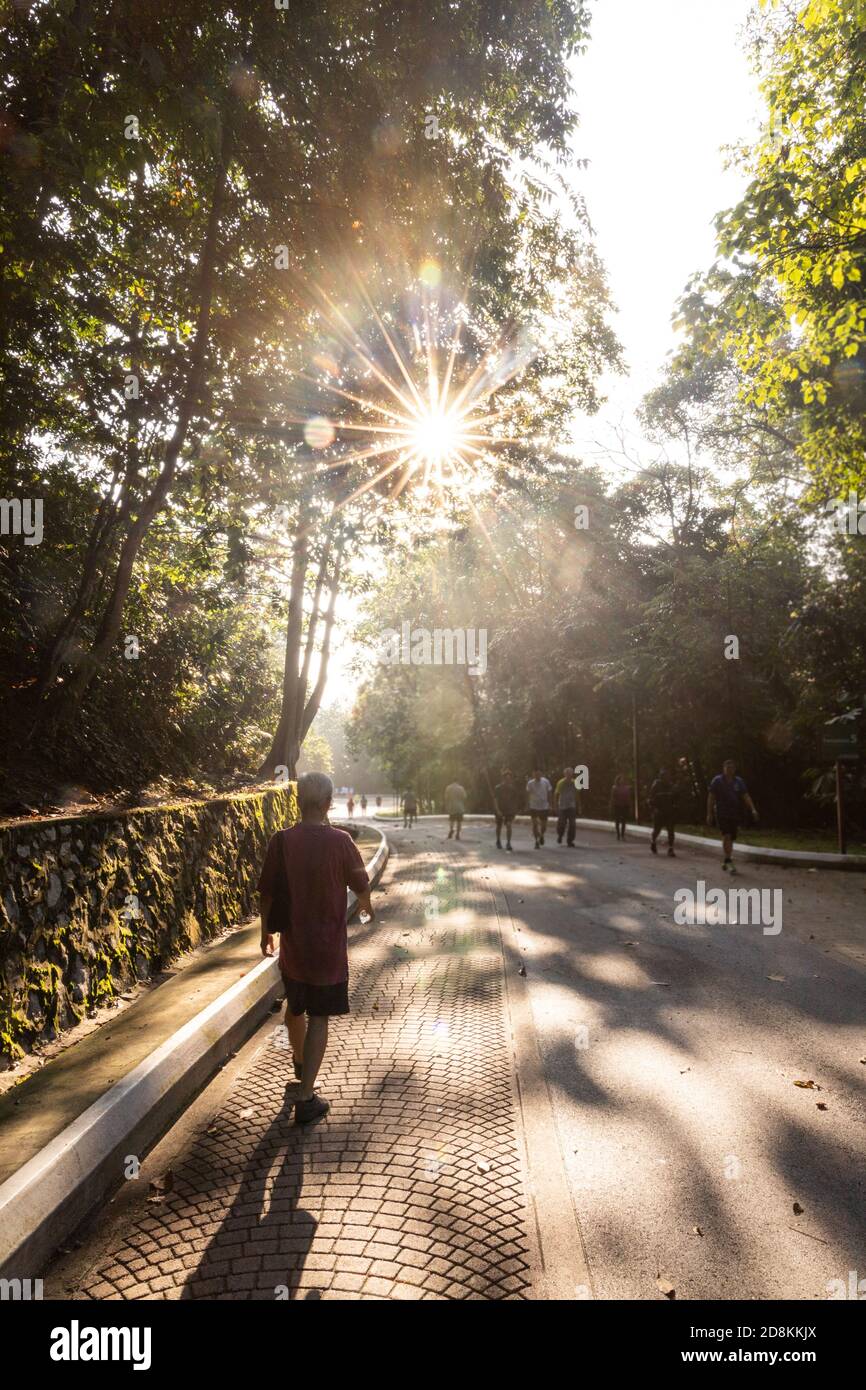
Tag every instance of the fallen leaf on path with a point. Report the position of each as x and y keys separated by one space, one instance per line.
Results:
x=820 y=1104
x=807 y=1085
x=522 y=970
x=482 y=1165
x=667 y=1288
x=797 y=1209
x=684 y=1070
x=697 y=1230
x=780 y=978
x=160 y=1187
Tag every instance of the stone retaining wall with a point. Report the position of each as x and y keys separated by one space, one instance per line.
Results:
x=89 y=906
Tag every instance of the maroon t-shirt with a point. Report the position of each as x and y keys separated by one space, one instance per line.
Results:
x=306 y=872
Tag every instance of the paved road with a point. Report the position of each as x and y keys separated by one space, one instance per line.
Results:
x=672 y=1052
x=650 y=1065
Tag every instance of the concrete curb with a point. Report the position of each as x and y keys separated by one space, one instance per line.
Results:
x=44 y=1202
x=758 y=854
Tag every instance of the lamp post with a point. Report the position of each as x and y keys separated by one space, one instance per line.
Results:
x=635 y=756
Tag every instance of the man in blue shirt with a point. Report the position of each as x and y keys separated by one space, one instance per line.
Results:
x=728 y=794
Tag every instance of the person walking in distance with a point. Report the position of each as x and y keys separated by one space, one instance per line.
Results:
x=727 y=799
x=507 y=800
x=565 y=806
x=363 y=804
x=538 y=791
x=410 y=809
x=620 y=803
x=662 y=799
x=455 y=808
x=302 y=889
x=350 y=805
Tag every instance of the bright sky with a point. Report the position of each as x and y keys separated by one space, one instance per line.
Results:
x=663 y=86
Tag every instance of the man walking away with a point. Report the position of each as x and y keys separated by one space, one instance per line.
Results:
x=410 y=809
x=662 y=797
x=507 y=800
x=538 y=791
x=728 y=795
x=620 y=803
x=565 y=806
x=455 y=808
x=363 y=804
x=302 y=889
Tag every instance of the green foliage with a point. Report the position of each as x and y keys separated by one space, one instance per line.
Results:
x=636 y=608
x=784 y=305
x=170 y=513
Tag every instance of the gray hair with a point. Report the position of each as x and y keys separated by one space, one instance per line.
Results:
x=314 y=789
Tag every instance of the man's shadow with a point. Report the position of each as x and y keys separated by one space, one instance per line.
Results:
x=264 y=1239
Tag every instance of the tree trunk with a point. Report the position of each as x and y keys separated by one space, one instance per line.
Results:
x=285 y=748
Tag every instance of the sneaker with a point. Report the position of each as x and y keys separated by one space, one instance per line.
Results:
x=559 y=839
x=509 y=846
x=308 y=1110
x=671 y=854
x=726 y=864
x=499 y=844
x=541 y=841
x=653 y=847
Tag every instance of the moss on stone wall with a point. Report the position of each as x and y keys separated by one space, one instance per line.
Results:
x=89 y=906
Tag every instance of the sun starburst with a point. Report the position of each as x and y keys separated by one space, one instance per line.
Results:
x=420 y=402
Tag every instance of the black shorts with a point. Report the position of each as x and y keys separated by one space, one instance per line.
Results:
x=728 y=826
x=319 y=1001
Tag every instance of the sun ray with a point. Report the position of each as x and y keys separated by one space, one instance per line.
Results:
x=409 y=391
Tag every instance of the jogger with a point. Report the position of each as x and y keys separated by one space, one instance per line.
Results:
x=538 y=791
x=663 y=797
x=507 y=801
x=620 y=803
x=565 y=806
x=727 y=796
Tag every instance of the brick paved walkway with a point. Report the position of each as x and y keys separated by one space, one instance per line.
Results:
x=414 y=1185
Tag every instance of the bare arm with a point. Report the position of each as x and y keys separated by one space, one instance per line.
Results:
x=267 y=940
x=365 y=903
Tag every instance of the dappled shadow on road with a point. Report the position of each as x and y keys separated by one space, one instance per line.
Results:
x=684 y=1042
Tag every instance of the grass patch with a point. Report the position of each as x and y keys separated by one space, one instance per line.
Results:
x=807 y=841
